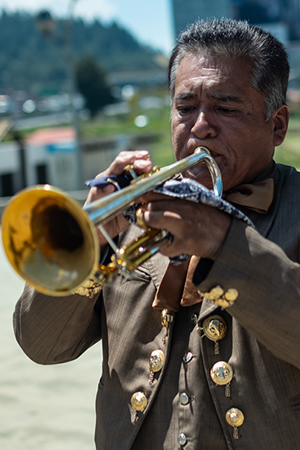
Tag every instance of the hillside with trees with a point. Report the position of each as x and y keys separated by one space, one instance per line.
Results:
x=33 y=63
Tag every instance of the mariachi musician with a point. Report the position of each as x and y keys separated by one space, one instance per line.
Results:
x=201 y=352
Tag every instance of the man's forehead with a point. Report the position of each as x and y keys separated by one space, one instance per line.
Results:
x=224 y=64
x=215 y=89
x=222 y=78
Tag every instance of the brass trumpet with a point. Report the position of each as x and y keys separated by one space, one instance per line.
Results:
x=51 y=241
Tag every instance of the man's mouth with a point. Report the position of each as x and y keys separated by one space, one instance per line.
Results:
x=212 y=153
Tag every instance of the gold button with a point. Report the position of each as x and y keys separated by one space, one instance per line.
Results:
x=139 y=401
x=235 y=417
x=156 y=361
x=166 y=317
x=214 y=328
x=231 y=295
x=221 y=298
x=215 y=293
x=221 y=373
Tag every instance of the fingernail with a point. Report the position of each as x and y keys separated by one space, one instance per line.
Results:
x=142 y=153
x=146 y=216
x=141 y=163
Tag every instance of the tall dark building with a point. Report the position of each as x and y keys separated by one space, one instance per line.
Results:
x=188 y=11
x=282 y=17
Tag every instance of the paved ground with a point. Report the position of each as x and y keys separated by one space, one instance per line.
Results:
x=42 y=407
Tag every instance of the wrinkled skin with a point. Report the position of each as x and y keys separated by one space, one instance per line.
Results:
x=214 y=106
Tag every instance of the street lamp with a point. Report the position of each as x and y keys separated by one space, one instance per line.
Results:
x=46 y=24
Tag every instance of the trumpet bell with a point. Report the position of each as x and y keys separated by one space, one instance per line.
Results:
x=49 y=240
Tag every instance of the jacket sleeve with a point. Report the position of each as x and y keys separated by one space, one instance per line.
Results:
x=268 y=285
x=53 y=330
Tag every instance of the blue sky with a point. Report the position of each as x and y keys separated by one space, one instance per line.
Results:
x=148 y=20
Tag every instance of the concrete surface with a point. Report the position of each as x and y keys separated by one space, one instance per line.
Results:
x=42 y=407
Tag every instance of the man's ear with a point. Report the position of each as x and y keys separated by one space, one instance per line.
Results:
x=281 y=120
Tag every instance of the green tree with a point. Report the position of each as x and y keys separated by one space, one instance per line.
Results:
x=31 y=63
x=91 y=83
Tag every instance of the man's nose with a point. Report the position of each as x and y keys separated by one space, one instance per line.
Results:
x=203 y=126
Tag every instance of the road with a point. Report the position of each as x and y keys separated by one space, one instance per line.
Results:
x=46 y=120
x=42 y=407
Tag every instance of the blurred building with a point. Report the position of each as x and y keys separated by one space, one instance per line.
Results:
x=282 y=17
x=47 y=156
x=279 y=17
x=185 y=12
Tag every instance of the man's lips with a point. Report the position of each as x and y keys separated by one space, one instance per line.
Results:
x=212 y=153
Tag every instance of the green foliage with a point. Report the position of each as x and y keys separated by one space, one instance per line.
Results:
x=31 y=62
x=289 y=152
x=91 y=83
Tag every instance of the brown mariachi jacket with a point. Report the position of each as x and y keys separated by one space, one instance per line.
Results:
x=261 y=344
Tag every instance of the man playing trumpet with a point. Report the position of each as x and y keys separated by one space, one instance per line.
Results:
x=204 y=354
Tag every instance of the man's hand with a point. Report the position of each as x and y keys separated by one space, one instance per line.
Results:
x=141 y=164
x=197 y=229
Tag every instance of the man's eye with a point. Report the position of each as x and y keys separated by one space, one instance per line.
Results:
x=226 y=111
x=183 y=110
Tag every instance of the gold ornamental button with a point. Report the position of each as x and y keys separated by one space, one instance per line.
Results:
x=139 y=401
x=214 y=328
x=215 y=293
x=156 y=361
x=166 y=317
x=235 y=417
x=221 y=298
x=221 y=373
x=231 y=295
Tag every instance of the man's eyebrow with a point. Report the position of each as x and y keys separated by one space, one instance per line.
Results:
x=185 y=96
x=218 y=97
x=225 y=98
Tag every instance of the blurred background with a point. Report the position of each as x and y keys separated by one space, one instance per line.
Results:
x=79 y=82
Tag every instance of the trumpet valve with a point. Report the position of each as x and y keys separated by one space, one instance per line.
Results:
x=139 y=215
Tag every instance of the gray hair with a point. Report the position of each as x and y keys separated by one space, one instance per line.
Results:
x=238 y=39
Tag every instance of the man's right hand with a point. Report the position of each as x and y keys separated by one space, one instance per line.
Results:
x=141 y=164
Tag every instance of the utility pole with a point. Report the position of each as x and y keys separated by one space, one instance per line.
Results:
x=46 y=25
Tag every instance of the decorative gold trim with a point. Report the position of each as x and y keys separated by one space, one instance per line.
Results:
x=221 y=298
x=89 y=288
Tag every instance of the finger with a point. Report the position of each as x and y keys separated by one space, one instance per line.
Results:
x=140 y=161
x=161 y=202
x=196 y=229
x=153 y=197
x=163 y=219
x=142 y=165
x=96 y=193
x=172 y=222
x=139 y=158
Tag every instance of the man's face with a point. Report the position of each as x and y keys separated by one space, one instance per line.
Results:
x=215 y=106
